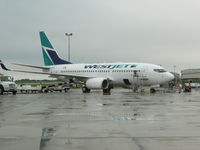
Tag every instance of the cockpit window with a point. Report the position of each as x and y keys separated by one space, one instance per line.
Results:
x=159 y=70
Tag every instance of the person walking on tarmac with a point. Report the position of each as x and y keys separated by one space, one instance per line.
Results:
x=180 y=87
x=188 y=87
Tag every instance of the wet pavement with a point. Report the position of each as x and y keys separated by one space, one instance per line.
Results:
x=123 y=120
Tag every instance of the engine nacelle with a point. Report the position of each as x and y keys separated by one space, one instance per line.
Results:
x=97 y=83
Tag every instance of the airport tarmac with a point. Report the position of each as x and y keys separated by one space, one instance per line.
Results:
x=123 y=120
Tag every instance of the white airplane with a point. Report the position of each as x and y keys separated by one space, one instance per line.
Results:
x=98 y=75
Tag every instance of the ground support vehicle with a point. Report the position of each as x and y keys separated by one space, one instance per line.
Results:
x=7 y=84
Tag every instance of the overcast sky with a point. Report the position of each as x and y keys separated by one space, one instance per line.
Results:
x=165 y=32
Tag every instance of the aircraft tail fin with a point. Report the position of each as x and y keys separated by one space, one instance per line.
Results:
x=50 y=55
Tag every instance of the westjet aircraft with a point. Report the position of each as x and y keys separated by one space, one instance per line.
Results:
x=98 y=75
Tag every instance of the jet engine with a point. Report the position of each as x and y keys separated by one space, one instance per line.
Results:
x=97 y=83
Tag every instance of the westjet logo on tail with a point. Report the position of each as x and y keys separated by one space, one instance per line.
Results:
x=117 y=66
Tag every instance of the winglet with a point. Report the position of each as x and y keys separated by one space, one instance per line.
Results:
x=3 y=66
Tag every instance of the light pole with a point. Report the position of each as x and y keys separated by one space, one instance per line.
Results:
x=68 y=34
x=175 y=81
x=174 y=68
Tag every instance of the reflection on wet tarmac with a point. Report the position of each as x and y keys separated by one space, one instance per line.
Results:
x=47 y=134
x=39 y=113
x=122 y=120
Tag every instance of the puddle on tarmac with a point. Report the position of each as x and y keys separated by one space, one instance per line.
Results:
x=39 y=113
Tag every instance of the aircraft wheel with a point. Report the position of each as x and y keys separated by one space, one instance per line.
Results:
x=1 y=90
x=66 y=90
x=14 y=93
x=85 y=89
x=152 y=90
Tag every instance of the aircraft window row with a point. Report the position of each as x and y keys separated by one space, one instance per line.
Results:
x=124 y=70
x=86 y=71
x=104 y=71
x=159 y=70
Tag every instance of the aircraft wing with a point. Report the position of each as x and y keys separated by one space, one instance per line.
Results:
x=54 y=74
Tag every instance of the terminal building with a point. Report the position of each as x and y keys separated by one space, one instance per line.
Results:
x=191 y=75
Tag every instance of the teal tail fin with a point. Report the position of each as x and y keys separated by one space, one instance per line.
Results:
x=49 y=53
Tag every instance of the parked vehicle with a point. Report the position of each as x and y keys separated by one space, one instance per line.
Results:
x=7 y=84
x=23 y=88
x=54 y=88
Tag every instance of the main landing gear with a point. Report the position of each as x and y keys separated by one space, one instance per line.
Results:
x=85 y=89
x=106 y=91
